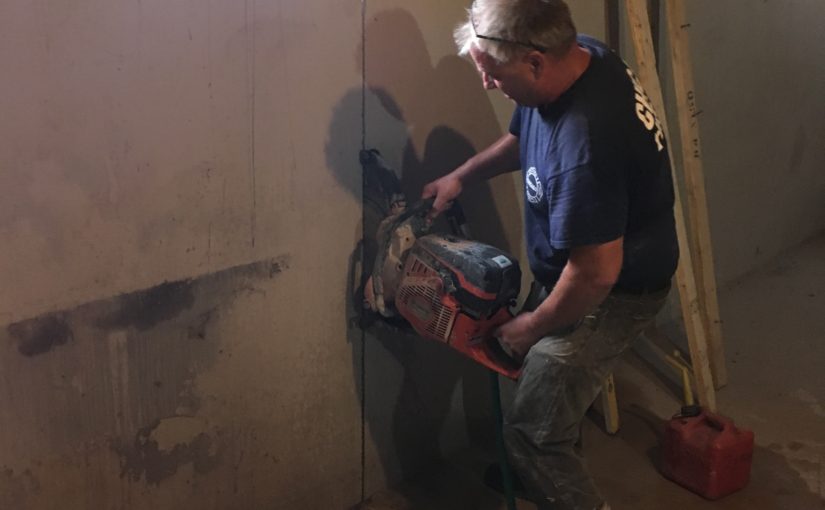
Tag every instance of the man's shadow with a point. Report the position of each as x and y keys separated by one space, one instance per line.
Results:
x=417 y=116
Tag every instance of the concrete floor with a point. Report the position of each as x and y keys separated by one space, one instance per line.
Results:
x=774 y=327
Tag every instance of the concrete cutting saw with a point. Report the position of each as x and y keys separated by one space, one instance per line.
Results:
x=448 y=288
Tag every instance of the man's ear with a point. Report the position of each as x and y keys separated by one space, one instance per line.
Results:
x=535 y=60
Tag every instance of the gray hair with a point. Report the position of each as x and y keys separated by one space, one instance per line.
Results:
x=520 y=24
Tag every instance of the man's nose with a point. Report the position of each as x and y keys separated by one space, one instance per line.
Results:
x=489 y=83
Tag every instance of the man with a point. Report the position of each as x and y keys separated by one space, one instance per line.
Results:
x=598 y=220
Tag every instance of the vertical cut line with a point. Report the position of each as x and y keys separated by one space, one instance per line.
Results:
x=249 y=15
x=363 y=245
x=363 y=75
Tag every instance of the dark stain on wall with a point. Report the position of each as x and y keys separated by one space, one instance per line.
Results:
x=264 y=268
x=41 y=334
x=142 y=310
x=144 y=459
x=145 y=309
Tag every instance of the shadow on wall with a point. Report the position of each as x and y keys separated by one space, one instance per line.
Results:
x=410 y=104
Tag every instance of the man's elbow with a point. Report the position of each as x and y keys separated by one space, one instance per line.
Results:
x=597 y=278
x=599 y=265
x=608 y=272
x=604 y=282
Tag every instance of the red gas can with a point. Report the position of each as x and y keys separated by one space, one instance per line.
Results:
x=706 y=453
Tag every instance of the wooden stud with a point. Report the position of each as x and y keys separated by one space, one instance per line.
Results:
x=610 y=405
x=688 y=113
x=694 y=325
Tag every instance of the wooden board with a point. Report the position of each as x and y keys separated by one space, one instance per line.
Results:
x=688 y=113
x=694 y=324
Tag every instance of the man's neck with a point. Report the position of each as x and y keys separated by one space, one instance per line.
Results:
x=566 y=70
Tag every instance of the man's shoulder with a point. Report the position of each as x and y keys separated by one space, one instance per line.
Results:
x=603 y=100
x=589 y=41
x=599 y=51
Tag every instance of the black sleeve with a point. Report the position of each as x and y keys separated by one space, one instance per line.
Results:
x=515 y=122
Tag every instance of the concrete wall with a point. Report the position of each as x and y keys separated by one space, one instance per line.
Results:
x=175 y=255
x=759 y=80
x=180 y=212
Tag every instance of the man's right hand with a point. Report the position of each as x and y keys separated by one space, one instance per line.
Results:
x=445 y=190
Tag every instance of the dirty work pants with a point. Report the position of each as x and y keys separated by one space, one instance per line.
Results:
x=561 y=377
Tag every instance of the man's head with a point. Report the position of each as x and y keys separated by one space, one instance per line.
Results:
x=515 y=42
x=506 y=28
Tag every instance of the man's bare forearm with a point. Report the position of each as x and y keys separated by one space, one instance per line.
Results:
x=584 y=283
x=500 y=157
x=572 y=298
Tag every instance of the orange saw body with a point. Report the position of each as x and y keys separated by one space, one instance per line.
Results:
x=449 y=289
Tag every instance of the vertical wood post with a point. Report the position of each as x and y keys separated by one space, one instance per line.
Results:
x=694 y=325
x=701 y=245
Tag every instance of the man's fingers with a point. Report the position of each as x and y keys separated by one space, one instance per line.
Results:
x=439 y=206
x=506 y=348
x=444 y=190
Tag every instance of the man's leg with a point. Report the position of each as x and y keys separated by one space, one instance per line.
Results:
x=561 y=377
x=543 y=426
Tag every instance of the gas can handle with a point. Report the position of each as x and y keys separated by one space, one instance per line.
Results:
x=717 y=423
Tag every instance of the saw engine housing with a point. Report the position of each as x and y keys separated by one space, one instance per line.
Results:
x=457 y=291
x=449 y=289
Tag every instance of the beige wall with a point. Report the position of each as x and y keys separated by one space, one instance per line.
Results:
x=758 y=81
x=760 y=76
x=180 y=206
x=185 y=142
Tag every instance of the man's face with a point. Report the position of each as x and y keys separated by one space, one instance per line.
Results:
x=512 y=78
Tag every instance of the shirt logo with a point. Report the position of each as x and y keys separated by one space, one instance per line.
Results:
x=532 y=186
x=645 y=113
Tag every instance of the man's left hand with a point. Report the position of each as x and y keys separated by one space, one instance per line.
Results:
x=518 y=335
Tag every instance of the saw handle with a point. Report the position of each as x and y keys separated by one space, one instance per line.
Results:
x=420 y=208
x=497 y=346
x=494 y=353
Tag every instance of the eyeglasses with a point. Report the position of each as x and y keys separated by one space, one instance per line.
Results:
x=528 y=44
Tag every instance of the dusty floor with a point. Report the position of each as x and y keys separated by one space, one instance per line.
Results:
x=774 y=327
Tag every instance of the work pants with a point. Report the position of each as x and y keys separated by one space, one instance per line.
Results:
x=561 y=377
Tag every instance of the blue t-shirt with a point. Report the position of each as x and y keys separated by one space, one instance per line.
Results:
x=596 y=168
